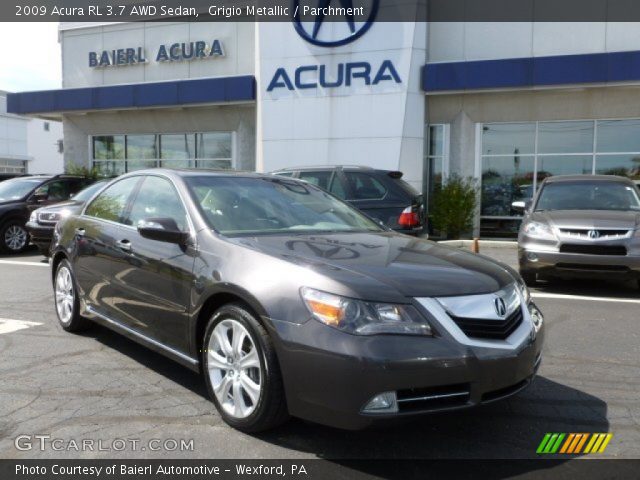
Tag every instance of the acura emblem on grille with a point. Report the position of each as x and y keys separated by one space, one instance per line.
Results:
x=593 y=234
x=501 y=308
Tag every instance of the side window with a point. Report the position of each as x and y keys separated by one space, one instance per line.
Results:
x=157 y=198
x=112 y=202
x=320 y=179
x=337 y=188
x=365 y=187
x=55 y=191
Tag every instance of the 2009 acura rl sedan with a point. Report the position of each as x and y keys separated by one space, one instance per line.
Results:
x=292 y=302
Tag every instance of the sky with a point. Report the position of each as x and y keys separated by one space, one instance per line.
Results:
x=30 y=59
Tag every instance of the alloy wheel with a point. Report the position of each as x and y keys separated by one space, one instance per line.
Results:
x=15 y=238
x=65 y=295
x=234 y=368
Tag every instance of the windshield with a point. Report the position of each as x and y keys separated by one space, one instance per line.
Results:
x=18 y=188
x=87 y=193
x=252 y=206
x=588 y=196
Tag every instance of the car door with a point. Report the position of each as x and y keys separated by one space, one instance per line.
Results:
x=152 y=280
x=96 y=232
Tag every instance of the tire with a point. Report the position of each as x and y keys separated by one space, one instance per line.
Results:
x=14 y=237
x=66 y=299
x=529 y=277
x=233 y=370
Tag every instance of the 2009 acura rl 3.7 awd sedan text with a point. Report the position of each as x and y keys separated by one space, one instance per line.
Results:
x=292 y=302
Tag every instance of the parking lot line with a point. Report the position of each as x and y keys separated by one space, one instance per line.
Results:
x=8 y=325
x=582 y=297
x=17 y=262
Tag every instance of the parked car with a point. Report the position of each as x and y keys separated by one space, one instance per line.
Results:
x=581 y=225
x=20 y=196
x=381 y=194
x=43 y=220
x=291 y=302
x=9 y=176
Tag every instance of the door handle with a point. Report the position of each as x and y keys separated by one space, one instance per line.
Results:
x=80 y=232
x=124 y=245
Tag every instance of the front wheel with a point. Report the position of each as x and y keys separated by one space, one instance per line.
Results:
x=66 y=298
x=14 y=238
x=242 y=372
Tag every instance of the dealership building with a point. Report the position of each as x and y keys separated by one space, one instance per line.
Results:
x=505 y=103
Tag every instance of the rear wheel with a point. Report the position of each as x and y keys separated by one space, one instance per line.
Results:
x=242 y=372
x=66 y=298
x=14 y=238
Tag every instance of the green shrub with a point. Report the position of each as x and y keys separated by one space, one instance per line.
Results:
x=73 y=169
x=453 y=206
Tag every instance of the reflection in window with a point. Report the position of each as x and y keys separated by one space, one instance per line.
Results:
x=504 y=181
x=549 y=165
x=627 y=165
x=109 y=147
x=177 y=147
x=508 y=138
x=214 y=145
x=142 y=146
x=565 y=137
x=618 y=136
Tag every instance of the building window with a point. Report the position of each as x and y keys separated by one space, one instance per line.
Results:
x=46 y=126
x=13 y=166
x=117 y=154
x=436 y=160
x=516 y=157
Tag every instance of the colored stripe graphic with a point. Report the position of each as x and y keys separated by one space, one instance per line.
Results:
x=572 y=443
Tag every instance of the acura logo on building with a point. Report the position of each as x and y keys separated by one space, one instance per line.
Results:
x=315 y=33
x=593 y=234
x=500 y=306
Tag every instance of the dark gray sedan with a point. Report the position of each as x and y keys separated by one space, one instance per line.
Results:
x=291 y=302
x=582 y=225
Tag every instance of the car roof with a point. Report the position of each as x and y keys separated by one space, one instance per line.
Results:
x=199 y=172
x=328 y=167
x=587 y=178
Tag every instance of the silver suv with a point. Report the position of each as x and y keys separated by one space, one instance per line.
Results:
x=586 y=225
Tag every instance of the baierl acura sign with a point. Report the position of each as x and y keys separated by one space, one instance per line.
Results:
x=343 y=74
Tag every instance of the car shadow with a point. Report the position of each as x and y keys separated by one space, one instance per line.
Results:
x=508 y=429
x=609 y=288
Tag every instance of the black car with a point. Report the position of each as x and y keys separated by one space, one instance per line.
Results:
x=20 y=196
x=43 y=220
x=9 y=176
x=292 y=302
x=381 y=194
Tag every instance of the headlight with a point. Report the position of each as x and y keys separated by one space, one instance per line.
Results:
x=536 y=317
x=524 y=290
x=33 y=218
x=364 y=318
x=64 y=213
x=537 y=229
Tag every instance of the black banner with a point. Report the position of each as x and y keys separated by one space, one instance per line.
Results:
x=328 y=10
x=141 y=469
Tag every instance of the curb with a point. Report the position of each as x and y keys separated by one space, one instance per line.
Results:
x=483 y=243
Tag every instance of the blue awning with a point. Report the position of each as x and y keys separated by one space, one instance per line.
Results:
x=529 y=72
x=142 y=95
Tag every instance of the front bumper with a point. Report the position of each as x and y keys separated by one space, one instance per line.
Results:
x=330 y=376
x=547 y=261
x=41 y=235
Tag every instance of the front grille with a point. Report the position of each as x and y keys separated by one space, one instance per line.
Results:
x=433 y=398
x=493 y=329
x=602 y=233
x=594 y=249
x=593 y=268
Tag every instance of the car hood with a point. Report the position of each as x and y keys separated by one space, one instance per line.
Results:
x=414 y=267
x=589 y=219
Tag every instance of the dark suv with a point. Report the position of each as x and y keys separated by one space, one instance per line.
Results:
x=20 y=196
x=381 y=194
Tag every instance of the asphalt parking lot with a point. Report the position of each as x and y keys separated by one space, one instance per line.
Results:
x=100 y=386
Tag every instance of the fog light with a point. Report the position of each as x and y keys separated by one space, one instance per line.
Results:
x=383 y=403
x=536 y=317
x=532 y=257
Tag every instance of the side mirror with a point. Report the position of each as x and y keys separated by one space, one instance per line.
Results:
x=162 y=230
x=518 y=206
